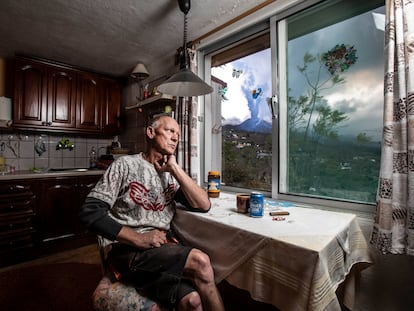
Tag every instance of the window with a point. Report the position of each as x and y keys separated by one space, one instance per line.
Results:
x=328 y=119
x=246 y=122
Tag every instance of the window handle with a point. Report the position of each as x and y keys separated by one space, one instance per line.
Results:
x=273 y=106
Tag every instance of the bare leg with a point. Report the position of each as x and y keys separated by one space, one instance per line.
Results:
x=190 y=302
x=198 y=268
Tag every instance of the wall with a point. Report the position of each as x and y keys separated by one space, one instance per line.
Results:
x=19 y=147
x=19 y=150
x=6 y=85
x=133 y=135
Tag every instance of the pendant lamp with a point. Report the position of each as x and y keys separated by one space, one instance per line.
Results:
x=185 y=82
x=140 y=72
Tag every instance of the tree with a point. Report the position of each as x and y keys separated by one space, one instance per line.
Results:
x=311 y=118
x=363 y=138
x=327 y=75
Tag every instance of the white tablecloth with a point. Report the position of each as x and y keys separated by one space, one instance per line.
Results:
x=295 y=264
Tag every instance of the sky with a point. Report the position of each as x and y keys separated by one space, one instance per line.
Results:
x=256 y=73
x=361 y=97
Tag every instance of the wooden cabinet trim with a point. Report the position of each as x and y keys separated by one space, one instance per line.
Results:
x=82 y=103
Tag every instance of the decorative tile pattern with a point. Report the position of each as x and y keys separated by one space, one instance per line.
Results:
x=21 y=153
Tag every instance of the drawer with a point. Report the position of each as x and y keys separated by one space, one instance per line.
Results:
x=18 y=205
x=10 y=226
x=16 y=188
x=15 y=242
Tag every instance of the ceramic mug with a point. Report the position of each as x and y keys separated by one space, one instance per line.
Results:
x=243 y=202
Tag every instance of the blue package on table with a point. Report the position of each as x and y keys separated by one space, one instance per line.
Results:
x=256 y=204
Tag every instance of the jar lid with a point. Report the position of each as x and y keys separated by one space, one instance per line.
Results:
x=214 y=173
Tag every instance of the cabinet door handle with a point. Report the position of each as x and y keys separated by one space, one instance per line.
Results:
x=49 y=123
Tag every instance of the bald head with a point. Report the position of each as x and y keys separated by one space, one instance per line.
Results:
x=155 y=122
x=162 y=135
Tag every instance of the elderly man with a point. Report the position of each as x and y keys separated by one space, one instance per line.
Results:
x=133 y=205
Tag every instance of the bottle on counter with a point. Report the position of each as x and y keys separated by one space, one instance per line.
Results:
x=92 y=158
x=213 y=187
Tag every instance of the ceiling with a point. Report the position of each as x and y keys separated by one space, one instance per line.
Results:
x=109 y=36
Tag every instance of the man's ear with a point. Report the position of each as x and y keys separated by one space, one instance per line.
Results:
x=150 y=132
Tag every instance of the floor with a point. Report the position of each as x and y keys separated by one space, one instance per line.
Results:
x=388 y=285
x=86 y=254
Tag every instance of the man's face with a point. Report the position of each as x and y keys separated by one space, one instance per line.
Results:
x=165 y=139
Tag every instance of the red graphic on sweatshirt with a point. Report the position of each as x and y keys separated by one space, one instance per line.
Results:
x=143 y=196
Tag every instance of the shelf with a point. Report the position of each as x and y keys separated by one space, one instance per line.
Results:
x=150 y=100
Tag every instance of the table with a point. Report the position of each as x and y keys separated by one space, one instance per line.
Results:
x=295 y=264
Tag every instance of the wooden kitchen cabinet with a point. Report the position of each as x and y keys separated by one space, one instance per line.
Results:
x=90 y=99
x=40 y=216
x=111 y=110
x=30 y=94
x=18 y=233
x=45 y=96
x=54 y=98
x=60 y=200
x=61 y=98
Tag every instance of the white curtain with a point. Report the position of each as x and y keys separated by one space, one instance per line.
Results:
x=186 y=115
x=394 y=222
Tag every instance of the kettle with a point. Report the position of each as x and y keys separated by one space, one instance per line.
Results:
x=116 y=144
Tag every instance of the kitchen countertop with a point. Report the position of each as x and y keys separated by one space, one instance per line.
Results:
x=27 y=174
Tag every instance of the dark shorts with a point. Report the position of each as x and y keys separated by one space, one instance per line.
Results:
x=156 y=273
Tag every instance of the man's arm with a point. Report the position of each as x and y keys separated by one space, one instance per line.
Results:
x=94 y=214
x=194 y=194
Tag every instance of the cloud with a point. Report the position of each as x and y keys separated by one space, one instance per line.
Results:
x=360 y=97
x=255 y=73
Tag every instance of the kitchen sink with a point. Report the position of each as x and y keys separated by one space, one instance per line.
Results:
x=69 y=169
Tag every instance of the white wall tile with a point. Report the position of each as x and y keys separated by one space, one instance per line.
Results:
x=26 y=164
x=25 y=157
x=27 y=149
x=42 y=163
x=81 y=150
x=56 y=162
x=68 y=162
x=82 y=162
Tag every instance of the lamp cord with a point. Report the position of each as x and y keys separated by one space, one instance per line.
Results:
x=185 y=43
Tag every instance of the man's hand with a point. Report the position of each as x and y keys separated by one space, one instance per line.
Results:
x=195 y=195
x=146 y=240
x=166 y=164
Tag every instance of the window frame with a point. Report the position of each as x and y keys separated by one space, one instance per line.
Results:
x=276 y=27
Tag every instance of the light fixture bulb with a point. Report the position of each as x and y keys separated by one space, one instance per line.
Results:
x=185 y=82
x=140 y=72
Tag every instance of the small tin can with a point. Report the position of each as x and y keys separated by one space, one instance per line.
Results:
x=213 y=184
x=256 y=204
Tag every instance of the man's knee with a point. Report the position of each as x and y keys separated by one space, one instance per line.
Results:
x=199 y=263
x=199 y=259
x=191 y=301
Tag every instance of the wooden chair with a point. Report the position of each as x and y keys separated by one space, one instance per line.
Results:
x=113 y=295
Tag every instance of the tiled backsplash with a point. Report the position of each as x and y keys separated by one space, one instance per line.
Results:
x=20 y=153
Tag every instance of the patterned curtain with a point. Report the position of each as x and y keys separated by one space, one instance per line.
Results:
x=186 y=116
x=393 y=230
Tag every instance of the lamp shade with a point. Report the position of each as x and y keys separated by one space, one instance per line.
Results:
x=185 y=83
x=140 y=72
